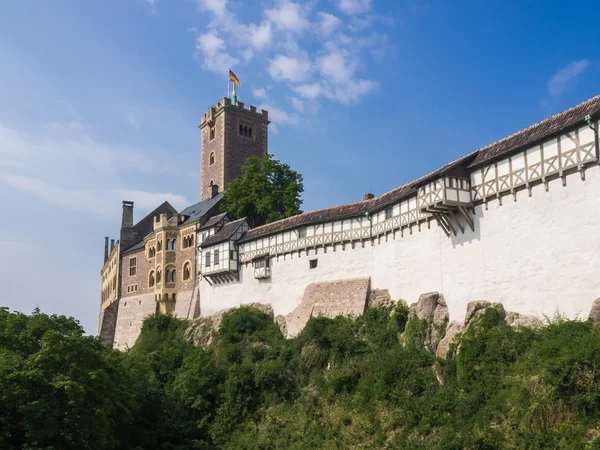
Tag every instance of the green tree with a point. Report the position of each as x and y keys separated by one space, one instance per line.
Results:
x=268 y=190
x=60 y=389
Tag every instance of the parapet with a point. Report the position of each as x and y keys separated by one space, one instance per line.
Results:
x=225 y=103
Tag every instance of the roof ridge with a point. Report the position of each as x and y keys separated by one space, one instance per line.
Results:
x=547 y=119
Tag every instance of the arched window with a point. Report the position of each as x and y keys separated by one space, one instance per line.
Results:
x=173 y=276
x=168 y=244
x=151 y=279
x=174 y=244
x=212 y=158
x=186 y=271
x=158 y=276
x=241 y=130
x=174 y=298
x=159 y=246
x=191 y=240
x=245 y=131
x=250 y=132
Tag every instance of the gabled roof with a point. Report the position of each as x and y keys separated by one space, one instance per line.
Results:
x=146 y=225
x=135 y=248
x=224 y=234
x=213 y=221
x=539 y=131
x=197 y=210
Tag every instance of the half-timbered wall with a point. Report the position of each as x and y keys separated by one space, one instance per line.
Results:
x=537 y=252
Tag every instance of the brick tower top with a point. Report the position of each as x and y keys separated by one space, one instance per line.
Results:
x=230 y=134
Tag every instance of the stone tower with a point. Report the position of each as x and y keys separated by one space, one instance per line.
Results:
x=230 y=134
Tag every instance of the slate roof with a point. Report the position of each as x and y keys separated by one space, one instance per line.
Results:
x=197 y=210
x=224 y=234
x=528 y=136
x=213 y=221
x=135 y=247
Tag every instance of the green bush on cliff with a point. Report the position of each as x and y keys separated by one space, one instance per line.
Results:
x=341 y=383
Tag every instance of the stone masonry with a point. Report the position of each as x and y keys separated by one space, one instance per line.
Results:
x=329 y=299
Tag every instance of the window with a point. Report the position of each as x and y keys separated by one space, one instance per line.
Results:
x=174 y=244
x=173 y=276
x=260 y=263
x=250 y=132
x=186 y=271
x=158 y=276
x=312 y=263
x=168 y=244
x=450 y=182
x=302 y=233
x=212 y=133
x=151 y=279
x=159 y=246
x=203 y=236
x=216 y=258
x=232 y=254
x=132 y=266
x=241 y=130
x=245 y=131
x=212 y=158
x=388 y=213
x=207 y=260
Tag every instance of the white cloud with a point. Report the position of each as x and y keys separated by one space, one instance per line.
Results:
x=328 y=23
x=354 y=6
x=288 y=16
x=336 y=65
x=289 y=69
x=565 y=78
x=213 y=48
x=297 y=104
x=260 y=93
x=354 y=90
x=279 y=116
x=97 y=202
x=310 y=91
x=260 y=35
x=217 y=7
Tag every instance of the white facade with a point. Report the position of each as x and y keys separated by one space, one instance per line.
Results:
x=533 y=242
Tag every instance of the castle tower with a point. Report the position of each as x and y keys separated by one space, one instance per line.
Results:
x=230 y=134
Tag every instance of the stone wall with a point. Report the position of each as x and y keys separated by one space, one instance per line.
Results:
x=132 y=312
x=329 y=299
x=537 y=255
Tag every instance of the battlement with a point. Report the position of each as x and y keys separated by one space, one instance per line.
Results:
x=240 y=107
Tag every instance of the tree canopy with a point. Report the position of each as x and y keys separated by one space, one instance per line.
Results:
x=267 y=191
x=342 y=383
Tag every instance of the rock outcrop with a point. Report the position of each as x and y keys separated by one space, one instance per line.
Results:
x=431 y=307
x=515 y=319
x=202 y=330
x=378 y=298
x=478 y=307
x=594 y=315
x=453 y=330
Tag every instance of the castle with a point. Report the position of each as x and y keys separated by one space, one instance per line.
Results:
x=513 y=221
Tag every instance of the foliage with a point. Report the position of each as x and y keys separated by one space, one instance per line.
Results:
x=341 y=383
x=267 y=191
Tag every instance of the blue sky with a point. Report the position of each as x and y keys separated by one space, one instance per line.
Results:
x=100 y=102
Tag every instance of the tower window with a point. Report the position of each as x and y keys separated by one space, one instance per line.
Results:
x=132 y=266
x=212 y=158
x=212 y=133
x=186 y=271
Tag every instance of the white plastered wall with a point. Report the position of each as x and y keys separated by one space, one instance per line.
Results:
x=537 y=255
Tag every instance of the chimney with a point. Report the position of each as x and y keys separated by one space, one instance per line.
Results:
x=215 y=190
x=368 y=196
x=127 y=221
x=105 y=249
x=112 y=245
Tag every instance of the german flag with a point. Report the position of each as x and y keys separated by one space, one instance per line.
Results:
x=234 y=78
